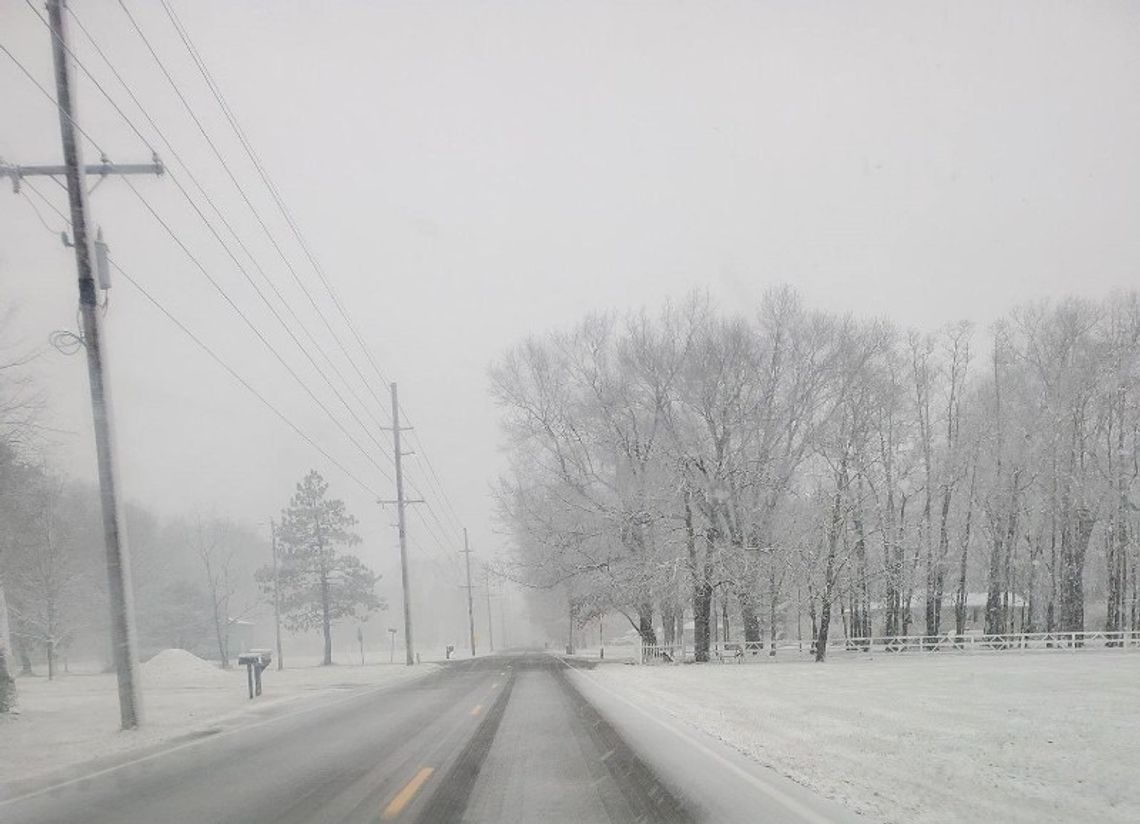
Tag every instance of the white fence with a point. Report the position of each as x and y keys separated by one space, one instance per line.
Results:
x=752 y=651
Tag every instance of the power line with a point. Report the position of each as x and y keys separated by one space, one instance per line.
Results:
x=241 y=268
x=253 y=327
x=233 y=179
x=233 y=373
x=217 y=286
x=216 y=91
x=50 y=97
x=271 y=187
x=40 y=216
x=221 y=216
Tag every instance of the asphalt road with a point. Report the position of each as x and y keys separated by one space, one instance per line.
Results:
x=510 y=738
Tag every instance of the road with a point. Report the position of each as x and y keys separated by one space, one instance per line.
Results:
x=509 y=738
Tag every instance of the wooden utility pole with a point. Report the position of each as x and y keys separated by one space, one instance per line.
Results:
x=470 y=604
x=276 y=596
x=114 y=525
x=490 y=622
x=409 y=651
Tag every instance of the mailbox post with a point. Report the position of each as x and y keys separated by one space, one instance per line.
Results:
x=255 y=661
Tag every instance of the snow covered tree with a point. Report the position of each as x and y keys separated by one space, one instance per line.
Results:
x=46 y=570
x=216 y=550
x=20 y=404
x=319 y=585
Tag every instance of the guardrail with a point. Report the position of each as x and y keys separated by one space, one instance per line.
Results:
x=746 y=651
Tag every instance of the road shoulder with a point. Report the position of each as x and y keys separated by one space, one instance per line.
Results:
x=719 y=782
x=54 y=745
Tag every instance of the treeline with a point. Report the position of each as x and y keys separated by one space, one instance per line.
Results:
x=791 y=461
x=200 y=582
x=193 y=577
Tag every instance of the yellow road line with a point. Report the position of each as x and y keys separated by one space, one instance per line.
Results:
x=405 y=796
x=478 y=707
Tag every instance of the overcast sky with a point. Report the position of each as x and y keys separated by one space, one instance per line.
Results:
x=472 y=172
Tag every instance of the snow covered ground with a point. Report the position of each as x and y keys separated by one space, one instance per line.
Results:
x=75 y=718
x=1034 y=737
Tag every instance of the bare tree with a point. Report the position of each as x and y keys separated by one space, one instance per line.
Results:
x=20 y=407
x=47 y=572
x=212 y=544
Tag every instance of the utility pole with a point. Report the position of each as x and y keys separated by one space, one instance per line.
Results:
x=114 y=526
x=276 y=596
x=470 y=605
x=490 y=622
x=402 y=527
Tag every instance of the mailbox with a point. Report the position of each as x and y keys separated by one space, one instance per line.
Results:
x=255 y=661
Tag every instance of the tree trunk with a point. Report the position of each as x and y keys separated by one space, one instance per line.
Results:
x=1117 y=538
x=326 y=621
x=773 y=608
x=961 y=595
x=220 y=636
x=750 y=615
x=994 y=618
x=861 y=590
x=570 y=630
x=702 y=611
x=822 y=632
x=7 y=682
x=668 y=624
x=645 y=624
x=702 y=585
x=934 y=612
x=829 y=570
x=1074 y=545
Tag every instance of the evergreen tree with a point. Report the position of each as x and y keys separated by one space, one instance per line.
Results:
x=319 y=585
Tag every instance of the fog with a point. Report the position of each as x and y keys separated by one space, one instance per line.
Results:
x=470 y=176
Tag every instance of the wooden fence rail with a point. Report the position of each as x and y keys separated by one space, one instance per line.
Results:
x=746 y=651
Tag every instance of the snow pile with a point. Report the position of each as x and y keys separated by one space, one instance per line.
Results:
x=177 y=668
x=926 y=739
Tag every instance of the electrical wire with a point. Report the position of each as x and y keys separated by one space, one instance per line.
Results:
x=217 y=286
x=40 y=216
x=233 y=373
x=271 y=187
x=50 y=97
x=27 y=184
x=253 y=327
x=233 y=179
x=217 y=236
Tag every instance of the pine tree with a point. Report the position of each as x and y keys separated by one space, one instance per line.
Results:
x=318 y=585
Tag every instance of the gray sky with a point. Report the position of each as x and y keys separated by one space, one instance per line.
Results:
x=469 y=173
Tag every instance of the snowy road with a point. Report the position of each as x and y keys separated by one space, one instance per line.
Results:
x=520 y=738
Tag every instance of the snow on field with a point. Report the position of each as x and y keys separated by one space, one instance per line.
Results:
x=75 y=718
x=1034 y=737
